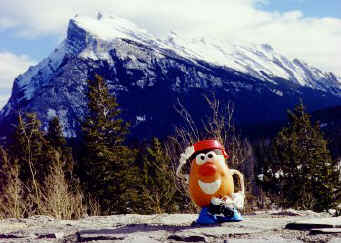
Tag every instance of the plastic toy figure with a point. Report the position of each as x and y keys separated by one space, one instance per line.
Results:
x=211 y=183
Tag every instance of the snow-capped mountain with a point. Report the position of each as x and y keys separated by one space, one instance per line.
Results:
x=148 y=75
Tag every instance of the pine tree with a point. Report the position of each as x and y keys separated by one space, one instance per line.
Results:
x=106 y=169
x=31 y=149
x=55 y=133
x=58 y=142
x=303 y=166
x=34 y=157
x=35 y=174
x=159 y=193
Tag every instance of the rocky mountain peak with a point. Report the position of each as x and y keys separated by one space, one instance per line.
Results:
x=260 y=61
x=108 y=28
x=140 y=69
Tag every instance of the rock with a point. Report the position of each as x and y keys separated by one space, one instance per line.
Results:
x=5 y=228
x=258 y=228
x=192 y=238
x=326 y=231
x=335 y=240
x=314 y=223
x=288 y=212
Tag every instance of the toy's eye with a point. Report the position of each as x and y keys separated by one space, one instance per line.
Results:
x=200 y=159
x=210 y=155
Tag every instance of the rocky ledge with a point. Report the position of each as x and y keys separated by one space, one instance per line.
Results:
x=272 y=226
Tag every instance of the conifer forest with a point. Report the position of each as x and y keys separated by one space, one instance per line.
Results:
x=103 y=172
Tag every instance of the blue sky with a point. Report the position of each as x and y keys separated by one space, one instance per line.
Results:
x=307 y=29
x=38 y=47
x=310 y=8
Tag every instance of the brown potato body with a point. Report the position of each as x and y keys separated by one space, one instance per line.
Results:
x=199 y=197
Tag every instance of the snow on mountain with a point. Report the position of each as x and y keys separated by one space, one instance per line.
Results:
x=48 y=66
x=260 y=61
x=133 y=61
x=109 y=29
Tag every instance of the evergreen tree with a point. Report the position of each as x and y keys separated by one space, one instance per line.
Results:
x=59 y=143
x=35 y=181
x=106 y=168
x=302 y=164
x=55 y=133
x=159 y=193
x=31 y=148
x=34 y=157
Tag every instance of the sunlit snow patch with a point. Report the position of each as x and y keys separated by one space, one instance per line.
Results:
x=141 y=118
x=51 y=113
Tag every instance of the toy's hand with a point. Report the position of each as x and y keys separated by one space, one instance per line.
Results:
x=218 y=206
x=228 y=201
x=182 y=161
x=238 y=200
x=186 y=155
x=189 y=151
x=217 y=201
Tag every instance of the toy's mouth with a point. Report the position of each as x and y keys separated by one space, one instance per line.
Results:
x=209 y=188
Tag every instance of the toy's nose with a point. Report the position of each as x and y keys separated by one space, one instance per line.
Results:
x=207 y=169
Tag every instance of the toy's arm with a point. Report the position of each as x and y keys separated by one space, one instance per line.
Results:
x=182 y=161
x=238 y=198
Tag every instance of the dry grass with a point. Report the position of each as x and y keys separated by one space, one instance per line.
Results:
x=27 y=131
x=11 y=199
x=93 y=206
x=53 y=197
x=57 y=199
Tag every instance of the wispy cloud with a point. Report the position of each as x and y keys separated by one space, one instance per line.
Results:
x=3 y=100
x=6 y=23
x=315 y=40
x=11 y=66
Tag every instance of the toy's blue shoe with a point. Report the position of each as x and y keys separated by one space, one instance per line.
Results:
x=206 y=218
x=235 y=218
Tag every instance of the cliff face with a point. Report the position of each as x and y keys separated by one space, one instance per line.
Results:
x=149 y=75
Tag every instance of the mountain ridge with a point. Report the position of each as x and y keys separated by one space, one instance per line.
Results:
x=135 y=63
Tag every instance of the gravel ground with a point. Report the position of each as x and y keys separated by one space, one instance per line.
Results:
x=262 y=226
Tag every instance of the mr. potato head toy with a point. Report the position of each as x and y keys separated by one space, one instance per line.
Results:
x=211 y=185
